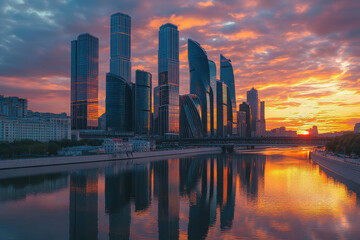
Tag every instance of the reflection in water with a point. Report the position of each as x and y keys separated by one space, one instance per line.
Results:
x=270 y=194
x=84 y=205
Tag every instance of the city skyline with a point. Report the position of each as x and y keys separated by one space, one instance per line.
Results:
x=306 y=92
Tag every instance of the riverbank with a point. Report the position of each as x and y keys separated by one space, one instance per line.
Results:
x=53 y=161
x=348 y=168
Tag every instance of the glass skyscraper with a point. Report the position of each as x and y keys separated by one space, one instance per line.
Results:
x=190 y=116
x=119 y=107
x=120 y=45
x=155 y=127
x=168 y=67
x=84 y=82
x=245 y=107
x=253 y=100
x=222 y=108
x=200 y=82
x=143 y=102
x=227 y=76
x=213 y=109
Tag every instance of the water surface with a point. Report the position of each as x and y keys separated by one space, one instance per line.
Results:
x=263 y=194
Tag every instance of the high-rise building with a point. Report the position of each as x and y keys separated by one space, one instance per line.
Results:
x=143 y=101
x=200 y=82
x=118 y=104
x=245 y=107
x=190 y=116
x=357 y=128
x=227 y=76
x=213 y=111
x=120 y=45
x=168 y=67
x=13 y=107
x=261 y=123
x=313 y=131
x=155 y=127
x=84 y=82
x=241 y=124
x=253 y=100
x=222 y=108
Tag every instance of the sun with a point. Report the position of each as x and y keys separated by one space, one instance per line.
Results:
x=304 y=133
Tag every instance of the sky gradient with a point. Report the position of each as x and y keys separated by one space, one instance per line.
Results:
x=303 y=56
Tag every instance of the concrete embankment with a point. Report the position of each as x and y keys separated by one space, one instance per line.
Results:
x=53 y=161
x=338 y=166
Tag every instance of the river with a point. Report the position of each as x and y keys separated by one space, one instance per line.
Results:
x=272 y=193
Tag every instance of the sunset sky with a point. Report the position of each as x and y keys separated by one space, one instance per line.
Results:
x=302 y=56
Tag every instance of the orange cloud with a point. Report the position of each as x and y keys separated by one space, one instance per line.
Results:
x=182 y=22
x=206 y=4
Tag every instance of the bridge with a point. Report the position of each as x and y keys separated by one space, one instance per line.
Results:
x=229 y=143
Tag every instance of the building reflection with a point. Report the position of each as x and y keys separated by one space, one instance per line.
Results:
x=167 y=180
x=251 y=171
x=83 y=205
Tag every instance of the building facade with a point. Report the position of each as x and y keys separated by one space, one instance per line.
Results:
x=241 y=124
x=13 y=107
x=200 y=82
x=84 y=82
x=213 y=101
x=35 y=128
x=155 y=125
x=227 y=76
x=120 y=45
x=357 y=128
x=190 y=116
x=261 y=123
x=245 y=107
x=118 y=104
x=143 y=102
x=253 y=100
x=168 y=76
x=222 y=108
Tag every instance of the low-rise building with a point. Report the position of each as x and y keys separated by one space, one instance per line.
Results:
x=281 y=132
x=35 y=128
x=81 y=150
x=140 y=145
x=357 y=128
x=117 y=146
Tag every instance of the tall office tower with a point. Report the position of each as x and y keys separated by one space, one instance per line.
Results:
x=253 y=100
x=227 y=76
x=13 y=106
x=200 y=82
x=118 y=104
x=213 y=111
x=120 y=45
x=168 y=67
x=222 y=108
x=245 y=107
x=190 y=116
x=84 y=82
x=83 y=206
x=261 y=127
x=241 y=124
x=143 y=102
x=155 y=127
x=357 y=128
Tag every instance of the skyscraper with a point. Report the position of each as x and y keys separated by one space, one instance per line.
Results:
x=200 y=82
x=119 y=108
x=241 y=123
x=253 y=100
x=13 y=106
x=84 y=82
x=190 y=116
x=168 y=67
x=155 y=127
x=261 y=132
x=213 y=111
x=120 y=45
x=245 y=107
x=143 y=102
x=227 y=76
x=222 y=108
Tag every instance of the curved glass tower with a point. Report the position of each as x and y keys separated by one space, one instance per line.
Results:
x=118 y=104
x=142 y=102
x=168 y=67
x=190 y=116
x=227 y=76
x=200 y=82
x=84 y=82
x=120 y=45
